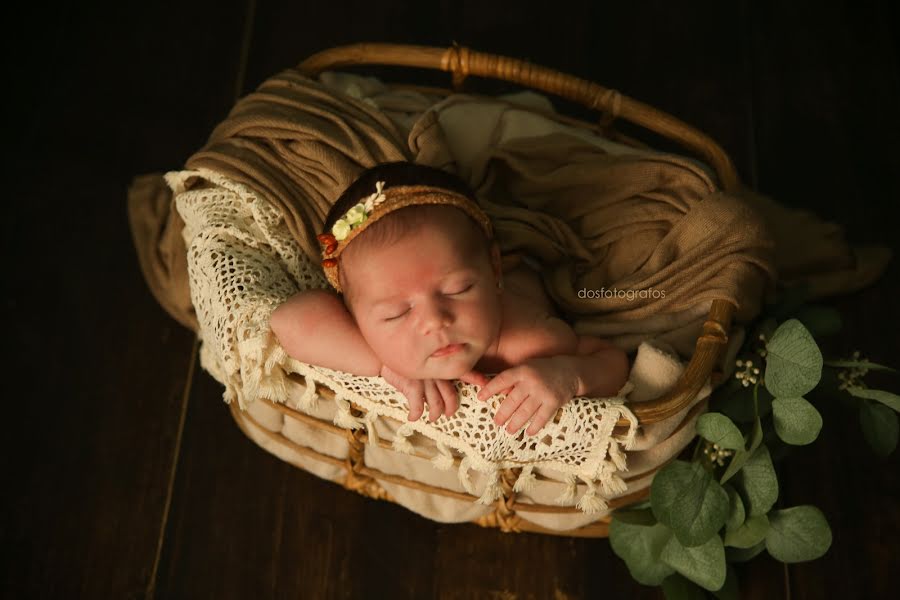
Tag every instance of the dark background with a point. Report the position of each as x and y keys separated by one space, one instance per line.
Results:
x=125 y=475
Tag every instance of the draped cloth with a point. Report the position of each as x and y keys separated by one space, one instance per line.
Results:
x=631 y=245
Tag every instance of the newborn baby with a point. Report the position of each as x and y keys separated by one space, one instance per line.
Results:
x=424 y=302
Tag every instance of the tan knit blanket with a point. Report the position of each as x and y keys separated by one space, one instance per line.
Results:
x=625 y=230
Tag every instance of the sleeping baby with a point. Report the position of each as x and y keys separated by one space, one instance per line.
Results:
x=423 y=301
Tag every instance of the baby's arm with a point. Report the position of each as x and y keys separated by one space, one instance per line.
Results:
x=315 y=327
x=601 y=368
x=558 y=366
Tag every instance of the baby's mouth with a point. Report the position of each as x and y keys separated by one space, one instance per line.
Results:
x=447 y=350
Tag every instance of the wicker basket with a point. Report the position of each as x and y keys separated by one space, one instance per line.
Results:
x=462 y=62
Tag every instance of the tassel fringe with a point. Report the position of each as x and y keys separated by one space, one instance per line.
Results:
x=307 y=400
x=616 y=455
x=569 y=493
x=613 y=485
x=371 y=429
x=590 y=502
x=526 y=480
x=492 y=490
x=400 y=443
x=463 y=474
x=444 y=459
x=343 y=418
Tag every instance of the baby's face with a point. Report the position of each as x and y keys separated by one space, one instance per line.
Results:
x=421 y=294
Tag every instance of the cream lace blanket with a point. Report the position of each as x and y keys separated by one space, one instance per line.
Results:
x=243 y=262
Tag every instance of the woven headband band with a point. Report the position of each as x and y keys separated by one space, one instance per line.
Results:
x=381 y=203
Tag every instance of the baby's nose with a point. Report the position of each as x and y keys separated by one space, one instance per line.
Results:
x=434 y=318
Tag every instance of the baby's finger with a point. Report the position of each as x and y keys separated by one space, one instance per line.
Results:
x=450 y=396
x=509 y=405
x=544 y=414
x=522 y=414
x=415 y=395
x=474 y=377
x=500 y=382
x=435 y=402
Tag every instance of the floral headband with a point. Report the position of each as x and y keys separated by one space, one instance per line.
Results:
x=381 y=203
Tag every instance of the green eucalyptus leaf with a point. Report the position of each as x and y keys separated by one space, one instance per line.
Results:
x=879 y=427
x=719 y=429
x=886 y=398
x=846 y=364
x=793 y=361
x=640 y=547
x=748 y=535
x=758 y=482
x=685 y=497
x=820 y=320
x=796 y=421
x=739 y=555
x=736 y=464
x=704 y=564
x=736 y=513
x=738 y=459
x=741 y=456
x=756 y=436
x=796 y=534
x=676 y=587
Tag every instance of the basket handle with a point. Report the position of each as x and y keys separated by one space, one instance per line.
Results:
x=462 y=62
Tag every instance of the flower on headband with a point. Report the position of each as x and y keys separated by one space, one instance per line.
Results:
x=340 y=229
x=358 y=214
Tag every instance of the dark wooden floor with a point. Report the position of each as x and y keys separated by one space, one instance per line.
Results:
x=125 y=475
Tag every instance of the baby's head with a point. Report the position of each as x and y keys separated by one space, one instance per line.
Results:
x=420 y=277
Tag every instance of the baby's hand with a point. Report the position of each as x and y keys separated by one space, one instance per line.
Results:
x=440 y=393
x=539 y=387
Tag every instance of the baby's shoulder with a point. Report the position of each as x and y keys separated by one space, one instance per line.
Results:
x=531 y=331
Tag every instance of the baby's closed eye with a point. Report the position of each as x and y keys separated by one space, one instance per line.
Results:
x=463 y=289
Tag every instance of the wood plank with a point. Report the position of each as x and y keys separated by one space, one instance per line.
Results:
x=826 y=94
x=100 y=369
x=246 y=524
